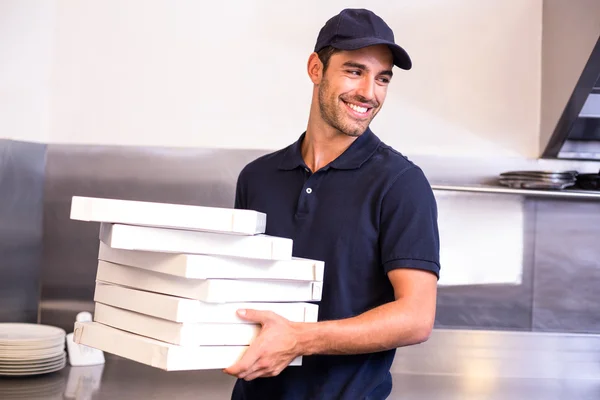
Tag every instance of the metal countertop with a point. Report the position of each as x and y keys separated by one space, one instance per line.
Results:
x=123 y=380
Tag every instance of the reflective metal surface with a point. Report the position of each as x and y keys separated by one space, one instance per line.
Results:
x=499 y=354
x=569 y=193
x=565 y=291
x=452 y=365
x=21 y=204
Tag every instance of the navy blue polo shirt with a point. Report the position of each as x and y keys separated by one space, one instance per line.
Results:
x=369 y=211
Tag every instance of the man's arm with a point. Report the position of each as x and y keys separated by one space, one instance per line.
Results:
x=405 y=321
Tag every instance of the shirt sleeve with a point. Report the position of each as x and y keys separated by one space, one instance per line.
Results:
x=240 y=192
x=409 y=235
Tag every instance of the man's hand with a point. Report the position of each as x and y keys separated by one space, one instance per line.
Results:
x=406 y=321
x=271 y=351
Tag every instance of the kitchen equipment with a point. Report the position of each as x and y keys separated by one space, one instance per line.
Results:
x=551 y=180
x=588 y=181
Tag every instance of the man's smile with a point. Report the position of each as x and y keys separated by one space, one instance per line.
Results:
x=358 y=110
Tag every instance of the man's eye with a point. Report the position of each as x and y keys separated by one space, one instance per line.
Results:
x=354 y=72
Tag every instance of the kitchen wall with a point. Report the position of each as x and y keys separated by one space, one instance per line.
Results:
x=21 y=206
x=191 y=74
x=26 y=62
x=141 y=100
x=136 y=72
x=26 y=43
x=570 y=31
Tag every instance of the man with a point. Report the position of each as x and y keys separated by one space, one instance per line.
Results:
x=348 y=199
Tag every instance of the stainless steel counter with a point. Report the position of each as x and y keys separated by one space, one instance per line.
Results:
x=121 y=379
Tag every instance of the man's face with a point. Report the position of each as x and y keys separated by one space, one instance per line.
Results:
x=354 y=87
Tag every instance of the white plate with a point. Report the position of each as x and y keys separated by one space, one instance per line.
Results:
x=25 y=350
x=32 y=361
x=44 y=342
x=32 y=348
x=38 y=371
x=20 y=363
x=46 y=353
x=36 y=355
x=29 y=333
x=39 y=360
x=29 y=368
x=21 y=347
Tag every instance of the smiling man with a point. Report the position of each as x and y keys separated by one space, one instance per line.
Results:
x=346 y=198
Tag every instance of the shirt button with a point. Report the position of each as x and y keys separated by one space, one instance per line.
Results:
x=308 y=190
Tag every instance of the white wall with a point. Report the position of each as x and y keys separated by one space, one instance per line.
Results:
x=26 y=44
x=194 y=74
x=190 y=73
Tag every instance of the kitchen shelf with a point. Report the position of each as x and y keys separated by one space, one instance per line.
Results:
x=566 y=193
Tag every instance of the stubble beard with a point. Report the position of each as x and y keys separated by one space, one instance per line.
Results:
x=333 y=116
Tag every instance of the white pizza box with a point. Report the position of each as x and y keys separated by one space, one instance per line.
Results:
x=133 y=237
x=209 y=290
x=155 y=353
x=200 y=266
x=165 y=215
x=182 y=334
x=179 y=309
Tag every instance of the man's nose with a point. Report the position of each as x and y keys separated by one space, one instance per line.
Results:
x=367 y=89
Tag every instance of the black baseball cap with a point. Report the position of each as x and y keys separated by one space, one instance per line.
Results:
x=355 y=28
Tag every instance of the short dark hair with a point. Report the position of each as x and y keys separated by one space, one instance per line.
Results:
x=325 y=54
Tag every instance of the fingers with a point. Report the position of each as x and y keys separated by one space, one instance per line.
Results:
x=256 y=369
x=250 y=358
x=256 y=374
x=262 y=373
x=258 y=316
x=252 y=367
x=241 y=367
x=261 y=369
x=268 y=352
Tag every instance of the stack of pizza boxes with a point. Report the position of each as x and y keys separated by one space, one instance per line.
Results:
x=171 y=277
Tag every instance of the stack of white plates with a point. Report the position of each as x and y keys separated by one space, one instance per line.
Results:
x=31 y=349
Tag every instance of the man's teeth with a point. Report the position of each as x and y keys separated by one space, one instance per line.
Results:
x=357 y=108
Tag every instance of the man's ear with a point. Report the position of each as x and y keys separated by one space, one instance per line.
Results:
x=315 y=68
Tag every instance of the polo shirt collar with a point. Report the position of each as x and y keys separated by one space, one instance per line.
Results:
x=358 y=153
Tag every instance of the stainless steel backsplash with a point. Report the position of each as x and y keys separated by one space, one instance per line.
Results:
x=21 y=205
x=561 y=264
x=184 y=176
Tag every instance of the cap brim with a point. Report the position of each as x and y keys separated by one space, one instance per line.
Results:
x=401 y=57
